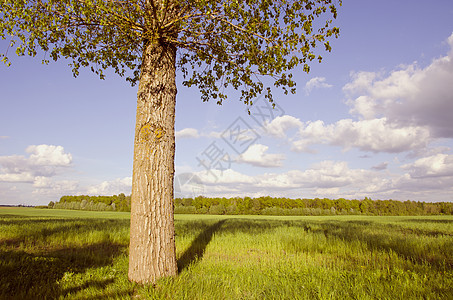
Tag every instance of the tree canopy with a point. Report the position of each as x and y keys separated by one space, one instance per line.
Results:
x=221 y=43
x=216 y=44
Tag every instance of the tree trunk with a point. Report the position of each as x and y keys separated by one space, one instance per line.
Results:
x=152 y=253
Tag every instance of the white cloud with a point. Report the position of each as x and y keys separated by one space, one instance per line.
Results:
x=4 y=137
x=335 y=179
x=279 y=126
x=42 y=182
x=16 y=168
x=47 y=186
x=255 y=155
x=381 y=166
x=428 y=151
x=431 y=188
x=329 y=174
x=378 y=135
x=410 y=96
x=187 y=133
x=361 y=82
x=438 y=165
x=316 y=83
x=401 y=111
x=44 y=160
x=17 y=177
x=179 y=169
x=328 y=192
x=283 y=181
x=375 y=135
x=112 y=187
x=49 y=155
x=187 y=185
x=323 y=175
x=224 y=177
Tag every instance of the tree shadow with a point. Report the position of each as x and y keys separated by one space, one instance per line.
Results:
x=198 y=246
x=99 y=284
x=19 y=220
x=442 y=221
x=376 y=236
x=390 y=237
x=31 y=268
x=36 y=276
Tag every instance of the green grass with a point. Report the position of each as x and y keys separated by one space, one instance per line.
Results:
x=83 y=255
x=62 y=213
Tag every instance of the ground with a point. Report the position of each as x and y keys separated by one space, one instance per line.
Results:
x=77 y=254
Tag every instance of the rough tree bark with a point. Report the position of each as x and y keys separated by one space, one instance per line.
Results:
x=152 y=242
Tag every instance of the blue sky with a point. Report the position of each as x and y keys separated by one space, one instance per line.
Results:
x=373 y=120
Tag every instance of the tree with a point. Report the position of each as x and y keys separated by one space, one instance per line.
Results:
x=216 y=44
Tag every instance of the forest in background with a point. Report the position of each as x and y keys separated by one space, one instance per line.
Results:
x=119 y=202
x=265 y=206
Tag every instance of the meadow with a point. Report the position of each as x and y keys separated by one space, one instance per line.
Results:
x=52 y=254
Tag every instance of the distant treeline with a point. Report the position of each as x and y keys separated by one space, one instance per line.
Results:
x=285 y=206
x=119 y=202
x=266 y=206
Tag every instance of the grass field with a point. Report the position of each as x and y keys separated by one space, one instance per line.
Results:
x=83 y=255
